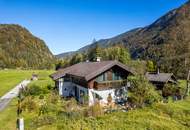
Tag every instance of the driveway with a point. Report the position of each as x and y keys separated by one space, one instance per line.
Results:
x=4 y=100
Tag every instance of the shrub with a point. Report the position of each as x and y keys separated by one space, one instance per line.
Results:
x=142 y=92
x=41 y=97
x=172 y=90
x=34 y=90
x=29 y=104
x=50 y=87
x=43 y=109
x=109 y=99
x=85 y=99
x=95 y=110
x=53 y=97
x=169 y=90
x=42 y=121
x=71 y=105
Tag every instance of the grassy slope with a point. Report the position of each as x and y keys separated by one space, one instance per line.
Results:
x=171 y=116
x=11 y=78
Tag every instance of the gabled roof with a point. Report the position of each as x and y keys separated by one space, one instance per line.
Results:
x=89 y=70
x=161 y=77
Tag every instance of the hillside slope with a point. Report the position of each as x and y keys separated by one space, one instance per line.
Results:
x=19 y=48
x=166 y=41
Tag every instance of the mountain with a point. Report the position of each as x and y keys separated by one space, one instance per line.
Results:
x=19 y=48
x=66 y=54
x=166 y=41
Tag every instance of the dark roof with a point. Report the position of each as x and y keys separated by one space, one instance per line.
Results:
x=89 y=70
x=161 y=77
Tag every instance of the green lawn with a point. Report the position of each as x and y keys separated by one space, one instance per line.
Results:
x=8 y=116
x=10 y=78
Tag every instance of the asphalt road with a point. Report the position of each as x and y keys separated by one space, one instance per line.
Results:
x=4 y=100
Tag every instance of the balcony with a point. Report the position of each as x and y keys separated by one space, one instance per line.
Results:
x=109 y=84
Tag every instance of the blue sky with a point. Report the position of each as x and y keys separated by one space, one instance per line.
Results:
x=67 y=25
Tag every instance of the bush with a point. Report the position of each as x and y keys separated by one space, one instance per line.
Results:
x=172 y=90
x=41 y=97
x=43 y=109
x=42 y=121
x=53 y=97
x=34 y=90
x=29 y=104
x=71 y=105
x=142 y=92
x=95 y=110
x=50 y=87
x=169 y=90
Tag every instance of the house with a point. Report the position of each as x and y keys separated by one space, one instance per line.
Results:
x=96 y=80
x=34 y=77
x=160 y=79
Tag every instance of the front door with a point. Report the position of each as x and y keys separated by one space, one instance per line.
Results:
x=76 y=93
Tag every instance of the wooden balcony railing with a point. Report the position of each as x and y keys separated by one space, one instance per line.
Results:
x=109 y=84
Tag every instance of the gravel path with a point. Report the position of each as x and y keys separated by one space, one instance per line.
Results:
x=4 y=100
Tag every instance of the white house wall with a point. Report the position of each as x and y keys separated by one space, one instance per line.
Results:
x=102 y=93
x=68 y=88
x=60 y=86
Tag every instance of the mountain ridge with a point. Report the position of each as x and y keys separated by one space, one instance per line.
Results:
x=165 y=41
x=21 y=49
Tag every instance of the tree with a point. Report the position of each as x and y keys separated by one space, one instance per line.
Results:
x=151 y=67
x=142 y=92
x=119 y=53
x=95 y=52
x=77 y=58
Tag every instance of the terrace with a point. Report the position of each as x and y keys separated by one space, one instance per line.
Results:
x=109 y=84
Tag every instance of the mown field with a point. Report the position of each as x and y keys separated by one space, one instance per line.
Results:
x=160 y=116
x=10 y=78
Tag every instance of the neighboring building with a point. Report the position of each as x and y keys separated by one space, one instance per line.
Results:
x=160 y=79
x=96 y=80
x=34 y=77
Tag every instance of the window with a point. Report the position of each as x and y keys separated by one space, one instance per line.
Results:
x=66 y=79
x=102 y=77
x=116 y=76
x=82 y=93
x=96 y=96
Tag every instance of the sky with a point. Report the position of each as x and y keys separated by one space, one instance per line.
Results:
x=67 y=25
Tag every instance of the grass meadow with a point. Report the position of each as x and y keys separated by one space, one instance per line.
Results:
x=159 y=116
x=9 y=79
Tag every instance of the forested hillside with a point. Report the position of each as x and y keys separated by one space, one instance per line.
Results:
x=20 y=49
x=166 y=41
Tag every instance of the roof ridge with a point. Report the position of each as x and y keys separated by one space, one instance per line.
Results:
x=99 y=70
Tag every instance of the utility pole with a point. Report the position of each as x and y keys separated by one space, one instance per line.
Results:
x=20 y=120
x=188 y=84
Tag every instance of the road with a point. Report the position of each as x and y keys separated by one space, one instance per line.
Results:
x=4 y=100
